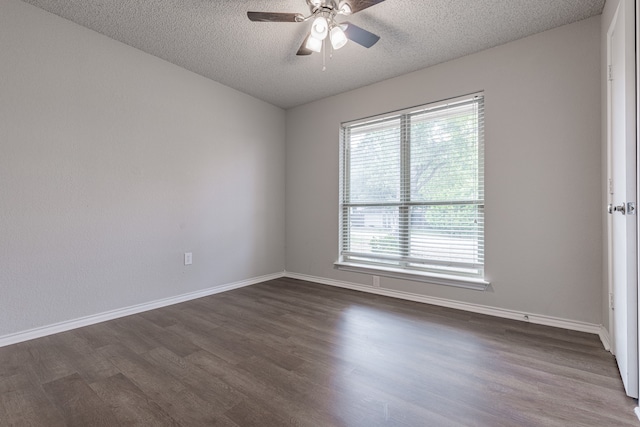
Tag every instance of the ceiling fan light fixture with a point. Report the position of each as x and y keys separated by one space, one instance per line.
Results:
x=338 y=37
x=313 y=44
x=320 y=28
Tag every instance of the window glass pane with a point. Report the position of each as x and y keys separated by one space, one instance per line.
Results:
x=444 y=155
x=447 y=234
x=374 y=170
x=373 y=230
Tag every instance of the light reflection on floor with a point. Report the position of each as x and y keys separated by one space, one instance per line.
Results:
x=376 y=345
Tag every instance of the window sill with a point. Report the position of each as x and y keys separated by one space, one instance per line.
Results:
x=416 y=276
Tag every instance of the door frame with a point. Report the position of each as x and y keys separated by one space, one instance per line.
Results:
x=637 y=104
x=635 y=320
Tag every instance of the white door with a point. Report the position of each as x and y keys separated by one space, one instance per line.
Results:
x=622 y=193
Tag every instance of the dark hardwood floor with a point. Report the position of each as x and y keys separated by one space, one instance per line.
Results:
x=288 y=352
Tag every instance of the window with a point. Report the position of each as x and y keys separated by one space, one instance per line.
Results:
x=412 y=193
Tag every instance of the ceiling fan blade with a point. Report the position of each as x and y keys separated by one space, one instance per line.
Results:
x=274 y=17
x=303 y=47
x=360 y=35
x=358 y=5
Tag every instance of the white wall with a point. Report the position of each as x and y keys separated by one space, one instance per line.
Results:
x=112 y=164
x=543 y=171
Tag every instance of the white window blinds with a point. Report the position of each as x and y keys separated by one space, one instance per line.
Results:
x=412 y=189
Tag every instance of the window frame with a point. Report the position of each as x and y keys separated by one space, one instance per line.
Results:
x=402 y=270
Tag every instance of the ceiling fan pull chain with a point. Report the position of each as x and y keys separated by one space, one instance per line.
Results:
x=324 y=55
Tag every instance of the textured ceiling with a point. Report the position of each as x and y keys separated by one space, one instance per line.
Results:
x=214 y=38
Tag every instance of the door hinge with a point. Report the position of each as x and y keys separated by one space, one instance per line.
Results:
x=611 y=300
x=610 y=72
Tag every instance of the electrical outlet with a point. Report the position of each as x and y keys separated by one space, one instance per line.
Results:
x=188 y=258
x=376 y=281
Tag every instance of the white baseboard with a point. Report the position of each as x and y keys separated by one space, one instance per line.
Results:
x=139 y=308
x=127 y=311
x=604 y=337
x=475 y=308
x=637 y=411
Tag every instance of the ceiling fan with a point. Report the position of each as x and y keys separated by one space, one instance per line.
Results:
x=324 y=25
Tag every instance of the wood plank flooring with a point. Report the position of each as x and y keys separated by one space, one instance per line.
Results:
x=293 y=353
